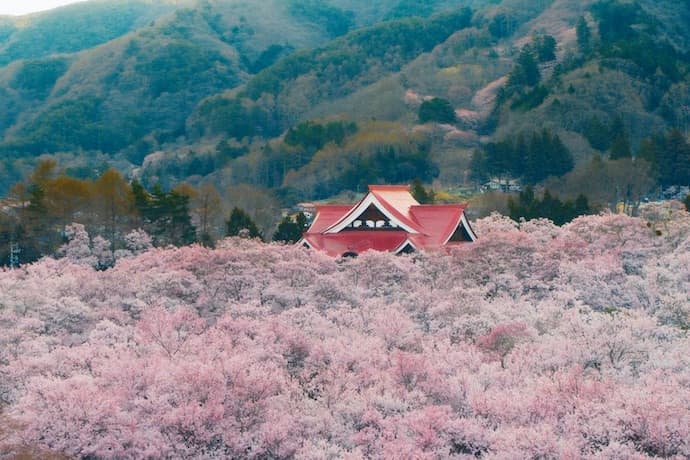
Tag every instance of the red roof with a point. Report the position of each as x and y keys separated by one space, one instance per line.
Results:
x=328 y=215
x=340 y=229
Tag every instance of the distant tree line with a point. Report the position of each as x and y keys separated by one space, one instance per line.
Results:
x=669 y=155
x=529 y=206
x=34 y=217
x=530 y=157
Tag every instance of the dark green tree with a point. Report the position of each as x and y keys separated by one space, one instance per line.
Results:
x=420 y=193
x=584 y=35
x=546 y=48
x=164 y=215
x=479 y=172
x=528 y=206
x=669 y=156
x=502 y=25
x=526 y=71
x=438 y=110
x=239 y=222
x=180 y=230
x=620 y=147
x=290 y=230
x=597 y=134
x=678 y=157
x=686 y=201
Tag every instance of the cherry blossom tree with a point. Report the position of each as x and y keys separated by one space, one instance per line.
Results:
x=536 y=341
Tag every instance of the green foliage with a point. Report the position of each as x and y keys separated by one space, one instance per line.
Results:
x=627 y=32
x=268 y=57
x=335 y=21
x=560 y=212
x=313 y=136
x=670 y=157
x=531 y=99
x=616 y=20
x=620 y=146
x=290 y=230
x=503 y=25
x=533 y=159
x=411 y=8
x=240 y=222
x=73 y=122
x=686 y=201
x=389 y=165
x=236 y=118
x=584 y=35
x=77 y=28
x=479 y=169
x=389 y=45
x=597 y=134
x=165 y=215
x=438 y=110
x=545 y=48
x=526 y=71
x=225 y=152
x=176 y=65
x=40 y=75
x=420 y=193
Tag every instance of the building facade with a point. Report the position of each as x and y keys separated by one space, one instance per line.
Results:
x=389 y=219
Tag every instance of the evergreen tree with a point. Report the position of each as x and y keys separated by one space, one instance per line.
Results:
x=526 y=71
x=620 y=147
x=164 y=215
x=438 y=110
x=520 y=155
x=528 y=206
x=584 y=35
x=289 y=230
x=180 y=230
x=597 y=134
x=421 y=194
x=535 y=163
x=239 y=220
x=546 y=48
x=561 y=160
x=669 y=156
x=479 y=172
x=678 y=152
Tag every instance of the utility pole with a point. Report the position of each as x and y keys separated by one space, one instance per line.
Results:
x=14 y=255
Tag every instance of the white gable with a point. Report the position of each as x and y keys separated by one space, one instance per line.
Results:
x=358 y=210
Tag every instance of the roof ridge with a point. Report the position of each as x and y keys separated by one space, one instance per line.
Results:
x=403 y=188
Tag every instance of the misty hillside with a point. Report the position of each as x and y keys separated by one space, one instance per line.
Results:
x=205 y=91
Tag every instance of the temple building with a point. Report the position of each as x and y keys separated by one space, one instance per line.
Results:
x=388 y=218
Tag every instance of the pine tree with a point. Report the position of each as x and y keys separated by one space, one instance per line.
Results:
x=289 y=230
x=240 y=221
x=526 y=71
x=584 y=35
x=620 y=147
x=478 y=167
x=421 y=194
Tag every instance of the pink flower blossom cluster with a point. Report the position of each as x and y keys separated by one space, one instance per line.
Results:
x=535 y=342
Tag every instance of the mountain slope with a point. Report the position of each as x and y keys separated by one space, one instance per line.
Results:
x=173 y=86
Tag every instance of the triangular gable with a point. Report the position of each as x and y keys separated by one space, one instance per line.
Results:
x=463 y=232
x=396 y=218
x=406 y=248
x=326 y=216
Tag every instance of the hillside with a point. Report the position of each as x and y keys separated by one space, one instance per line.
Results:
x=203 y=91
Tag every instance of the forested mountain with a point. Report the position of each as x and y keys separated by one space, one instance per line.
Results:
x=245 y=95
